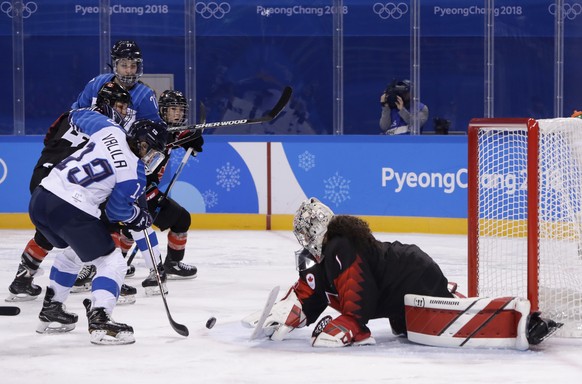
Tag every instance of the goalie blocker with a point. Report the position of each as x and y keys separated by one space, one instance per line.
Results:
x=501 y=322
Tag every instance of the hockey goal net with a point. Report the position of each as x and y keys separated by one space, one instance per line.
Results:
x=525 y=214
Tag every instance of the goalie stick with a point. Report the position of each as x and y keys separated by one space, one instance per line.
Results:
x=179 y=328
x=9 y=311
x=266 y=312
x=272 y=114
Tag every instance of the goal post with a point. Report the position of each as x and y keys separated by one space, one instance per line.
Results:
x=525 y=214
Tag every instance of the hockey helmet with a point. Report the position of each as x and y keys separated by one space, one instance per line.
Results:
x=310 y=226
x=128 y=50
x=173 y=99
x=110 y=94
x=147 y=140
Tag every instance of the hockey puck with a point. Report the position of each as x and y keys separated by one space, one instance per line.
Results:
x=210 y=322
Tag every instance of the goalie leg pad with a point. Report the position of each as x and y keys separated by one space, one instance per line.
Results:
x=471 y=322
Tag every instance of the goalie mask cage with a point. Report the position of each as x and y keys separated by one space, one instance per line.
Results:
x=525 y=214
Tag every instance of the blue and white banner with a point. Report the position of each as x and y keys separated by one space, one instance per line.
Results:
x=269 y=17
x=396 y=176
x=385 y=176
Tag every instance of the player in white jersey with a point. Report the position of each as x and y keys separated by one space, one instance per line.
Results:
x=111 y=168
x=127 y=65
x=66 y=135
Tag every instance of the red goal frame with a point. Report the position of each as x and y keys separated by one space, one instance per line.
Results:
x=475 y=125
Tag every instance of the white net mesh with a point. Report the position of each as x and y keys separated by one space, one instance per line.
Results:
x=502 y=211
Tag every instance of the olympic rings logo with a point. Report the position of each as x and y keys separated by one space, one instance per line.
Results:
x=569 y=11
x=4 y=174
x=390 y=10
x=26 y=10
x=212 y=9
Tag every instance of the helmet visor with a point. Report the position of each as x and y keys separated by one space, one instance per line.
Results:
x=152 y=160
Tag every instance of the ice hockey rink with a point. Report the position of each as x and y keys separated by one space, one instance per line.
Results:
x=236 y=271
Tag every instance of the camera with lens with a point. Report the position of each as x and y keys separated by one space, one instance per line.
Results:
x=396 y=88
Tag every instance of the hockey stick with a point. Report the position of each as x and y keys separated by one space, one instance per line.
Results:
x=164 y=195
x=9 y=311
x=179 y=328
x=266 y=312
x=283 y=100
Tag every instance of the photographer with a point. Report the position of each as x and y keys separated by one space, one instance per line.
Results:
x=395 y=103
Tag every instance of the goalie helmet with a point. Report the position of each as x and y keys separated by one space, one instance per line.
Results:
x=310 y=226
x=147 y=140
x=129 y=51
x=109 y=95
x=170 y=103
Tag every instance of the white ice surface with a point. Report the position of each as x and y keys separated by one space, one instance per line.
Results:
x=236 y=271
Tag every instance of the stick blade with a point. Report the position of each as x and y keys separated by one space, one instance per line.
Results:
x=181 y=329
x=266 y=312
x=283 y=100
x=9 y=311
x=202 y=112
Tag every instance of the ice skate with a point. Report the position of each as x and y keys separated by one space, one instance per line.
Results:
x=22 y=288
x=103 y=330
x=130 y=271
x=53 y=316
x=126 y=295
x=84 y=279
x=539 y=329
x=151 y=282
x=177 y=270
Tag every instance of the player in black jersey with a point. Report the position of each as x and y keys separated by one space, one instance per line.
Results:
x=167 y=213
x=63 y=138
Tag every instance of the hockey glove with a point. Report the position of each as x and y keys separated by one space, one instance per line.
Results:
x=142 y=220
x=155 y=197
x=286 y=315
x=189 y=139
x=340 y=332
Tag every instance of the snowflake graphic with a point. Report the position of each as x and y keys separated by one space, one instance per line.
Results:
x=210 y=198
x=228 y=176
x=306 y=161
x=176 y=157
x=337 y=189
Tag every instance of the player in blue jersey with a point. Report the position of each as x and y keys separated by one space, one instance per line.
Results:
x=66 y=207
x=65 y=136
x=127 y=64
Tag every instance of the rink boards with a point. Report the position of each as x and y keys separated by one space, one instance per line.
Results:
x=403 y=184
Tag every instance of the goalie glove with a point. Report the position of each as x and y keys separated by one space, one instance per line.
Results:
x=340 y=332
x=286 y=315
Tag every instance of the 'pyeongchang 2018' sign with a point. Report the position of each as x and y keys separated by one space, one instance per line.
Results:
x=448 y=181
x=120 y=9
x=301 y=10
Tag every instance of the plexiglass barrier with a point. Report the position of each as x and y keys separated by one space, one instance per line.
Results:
x=465 y=58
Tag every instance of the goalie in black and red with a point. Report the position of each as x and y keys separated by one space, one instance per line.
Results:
x=344 y=266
